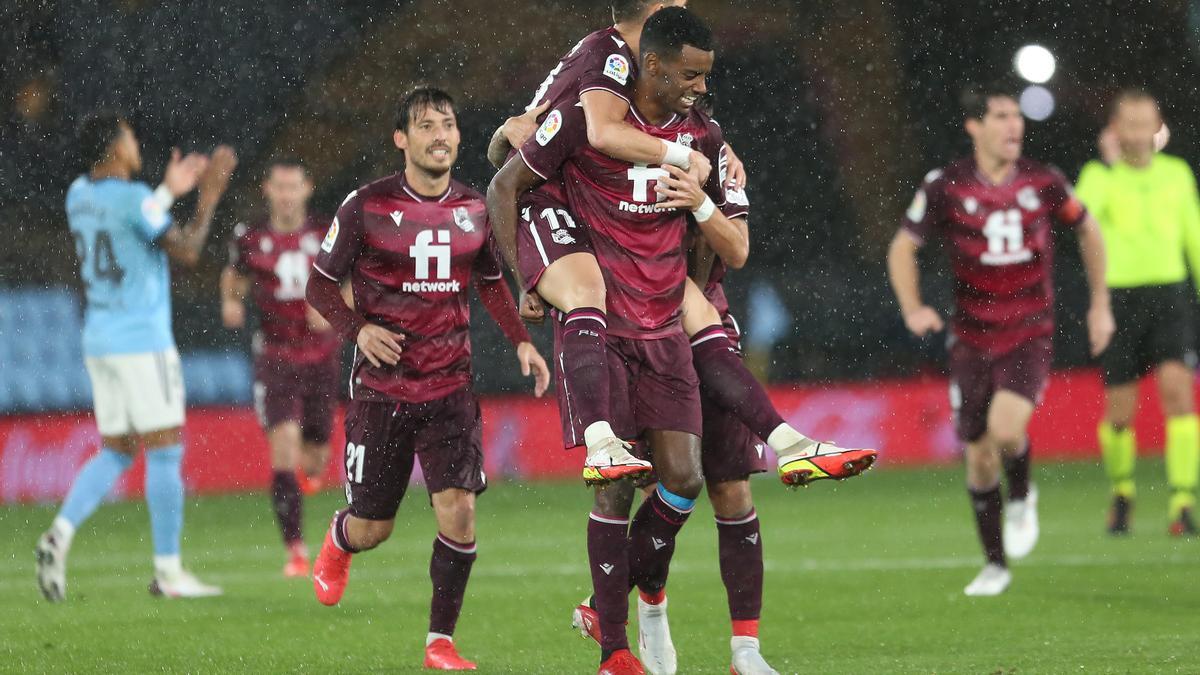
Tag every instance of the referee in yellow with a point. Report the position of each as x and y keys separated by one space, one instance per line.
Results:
x=1149 y=211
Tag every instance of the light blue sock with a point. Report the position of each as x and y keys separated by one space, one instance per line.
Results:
x=92 y=482
x=164 y=496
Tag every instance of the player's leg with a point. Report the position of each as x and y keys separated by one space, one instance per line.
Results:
x=606 y=614
x=378 y=462
x=1008 y=420
x=1176 y=386
x=316 y=424
x=727 y=381
x=556 y=259
x=1118 y=451
x=286 y=496
x=450 y=448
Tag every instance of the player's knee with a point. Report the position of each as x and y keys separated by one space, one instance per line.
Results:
x=730 y=499
x=1006 y=440
x=614 y=499
x=683 y=481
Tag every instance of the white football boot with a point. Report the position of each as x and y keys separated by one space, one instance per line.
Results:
x=181 y=584
x=655 y=648
x=747 y=659
x=51 y=554
x=609 y=459
x=1021 y=525
x=992 y=580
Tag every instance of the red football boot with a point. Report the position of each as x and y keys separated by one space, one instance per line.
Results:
x=331 y=571
x=309 y=485
x=297 y=564
x=622 y=662
x=585 y=620
x=824 y=462
x=441 y=655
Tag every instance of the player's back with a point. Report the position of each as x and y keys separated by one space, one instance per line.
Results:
x=602 y=60
x=115 y=225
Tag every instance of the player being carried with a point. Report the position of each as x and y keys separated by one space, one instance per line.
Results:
x=996 y=210
x=411 y=245
x=295 y=351
x=123 y=235
x=551 y=256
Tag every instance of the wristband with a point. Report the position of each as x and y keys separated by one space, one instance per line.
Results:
x=163 y=197
x=677 y=154
x=705 y=210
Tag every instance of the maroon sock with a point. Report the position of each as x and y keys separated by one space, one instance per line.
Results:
x=288 y=502
x=585 y=364
x=449 y=569
x=1016 y=470
x=988 y=508
x=338 y=529
x=740 y=545
x=608 y=556
x=652 y=542
x=725 y=379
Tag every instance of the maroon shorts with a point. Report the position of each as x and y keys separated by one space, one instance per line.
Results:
x=729 y=451
x=652 y=385
x=975 y=376
x=382 y=439
x=305 y=393
x=546 y=232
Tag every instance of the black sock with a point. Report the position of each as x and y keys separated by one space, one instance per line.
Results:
x=988 y=507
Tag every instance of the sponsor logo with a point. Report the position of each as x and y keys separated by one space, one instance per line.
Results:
x=397 y=217
x=617 y=68
x=562 y=237
x=916 y=210
x=971 y=205
x=686 y=139
x=549 y=128
x=606 y=568
x=463 y=219
x=330 y=237
x=424 y=250
x=1027 y=198
x=431 y=287
x=319 y=580
x=642 y=208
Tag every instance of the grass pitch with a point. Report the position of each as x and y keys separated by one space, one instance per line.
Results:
x=862 y=577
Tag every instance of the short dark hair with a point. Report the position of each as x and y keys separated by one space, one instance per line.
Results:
x=419 y=99
x=286 y=162
x=97 y=133
x=975 y=98
x=1129 y=95
x=627 y=10
x=670 y=29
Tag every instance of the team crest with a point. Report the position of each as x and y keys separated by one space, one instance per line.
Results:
x=617 y=68
x=463 y=219
x=330 y=237
x=266 y=245
x=685 y=139
x=971 y=205
x=549 y=128
x=1028 y=199
x=562 y=237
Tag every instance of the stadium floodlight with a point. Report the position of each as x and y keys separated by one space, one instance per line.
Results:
x=1035 y=63
x=1037 y=103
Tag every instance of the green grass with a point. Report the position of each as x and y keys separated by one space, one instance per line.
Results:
x=863 y=577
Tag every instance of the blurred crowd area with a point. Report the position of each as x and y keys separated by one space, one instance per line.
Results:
x=837 y=108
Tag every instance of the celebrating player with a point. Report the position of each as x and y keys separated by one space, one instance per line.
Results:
x=296 y=368
x=411 y=244
x=552 y=254
x=123 y=234
x=996 y=209
x=1150 y=250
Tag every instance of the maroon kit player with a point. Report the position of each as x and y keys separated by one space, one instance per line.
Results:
x=995 y=210
x=411 y=245
x=295 y=350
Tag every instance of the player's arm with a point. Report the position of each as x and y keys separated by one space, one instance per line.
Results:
x=513 y=180
x=1099 y=319
x=608 y=132
x=498 y=300
x=1190 y=221
x=729 y=238
x=234 y=287
x=905 y=278
x=513 y=134
x=184 y=244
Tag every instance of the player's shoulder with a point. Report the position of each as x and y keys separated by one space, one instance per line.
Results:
x=248 y=230
x=1173 y=163
x=460 y=191
x=957 y=171
x=604 y=41
x=387 y=186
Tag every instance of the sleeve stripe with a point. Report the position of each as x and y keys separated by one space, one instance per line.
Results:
x=738 y=214
x=531 y=167
x=327 y=275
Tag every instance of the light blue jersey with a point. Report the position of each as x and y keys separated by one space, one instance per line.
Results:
x=116 y=225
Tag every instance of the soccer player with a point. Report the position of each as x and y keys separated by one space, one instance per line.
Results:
x=552 y=255
x=1148 y=209
x=295 y=366
x=411 y=244
x=123 y=234
x=636 y=226
x=996 y=209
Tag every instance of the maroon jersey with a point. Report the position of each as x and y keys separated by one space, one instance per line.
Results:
x=278 y=264
x=737 y=205
x=638 y=244
x=411 y=260
x=1001 y=247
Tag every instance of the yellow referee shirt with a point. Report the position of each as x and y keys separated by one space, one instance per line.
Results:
x=1150 y=218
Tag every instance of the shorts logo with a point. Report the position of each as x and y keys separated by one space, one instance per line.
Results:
x=759 y=448
x=753 y=539
x=606 y=568
x=617 y=68
x=562 y=237
x=549 y=128
x=1028 y=199
x=658 y=543
x=685 y=139
x=330 y=237
x=463 y=219
x=737 y=196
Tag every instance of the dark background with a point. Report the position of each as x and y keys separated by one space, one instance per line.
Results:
x=838 y=109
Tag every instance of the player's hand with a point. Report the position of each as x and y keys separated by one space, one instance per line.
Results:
x=924 y=320
x=531 y=308
x=379 y=345
x=533 y=364
x=233 y=313
x=183 y=172
x=1101 y=326
x=699 y=163
x=216 y=178
x=518 y=129
x=680 y=189
x=735 y=171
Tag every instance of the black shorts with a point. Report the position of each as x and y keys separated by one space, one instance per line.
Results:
x=305 y=393
x=976 y=376
x=1154 y=325
x=382 y=440
x=729 y=451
